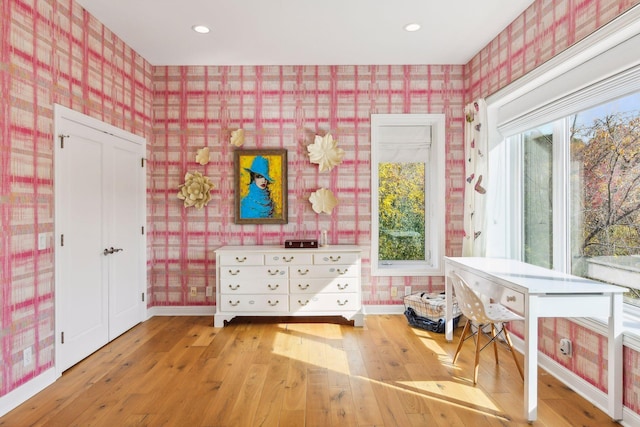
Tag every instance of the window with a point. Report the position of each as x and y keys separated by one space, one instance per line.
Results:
x=602 y=182
x=564 y=150
x=538 y=195
x=605 y=202
x=407 y=194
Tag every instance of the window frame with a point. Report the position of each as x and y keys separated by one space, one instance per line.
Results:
x=434 y=196
x=560 y=188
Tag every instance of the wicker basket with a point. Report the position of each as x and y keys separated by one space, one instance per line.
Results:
x=426 y=311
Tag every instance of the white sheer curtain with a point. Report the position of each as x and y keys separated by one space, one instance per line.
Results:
x=476 y=160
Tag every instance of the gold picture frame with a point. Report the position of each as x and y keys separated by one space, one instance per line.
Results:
x=260 y=184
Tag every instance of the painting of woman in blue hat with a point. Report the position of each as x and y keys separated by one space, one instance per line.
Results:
x=260 y=186
x=258 y=203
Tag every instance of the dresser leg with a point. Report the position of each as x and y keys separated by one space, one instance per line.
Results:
x=219 y=319
x=358 y=319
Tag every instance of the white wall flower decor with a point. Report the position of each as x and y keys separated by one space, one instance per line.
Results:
x=196 y=190
x=237 y=137
x=323 y=200
x=325 y=152
x=203 y=156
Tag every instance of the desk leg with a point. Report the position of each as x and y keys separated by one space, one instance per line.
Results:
x=531 y=359
x=614 y=352
x=448 y=312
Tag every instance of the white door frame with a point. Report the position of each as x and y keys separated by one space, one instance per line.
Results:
x=60 y=113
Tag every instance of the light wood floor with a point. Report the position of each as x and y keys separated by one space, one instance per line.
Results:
x=180 y=371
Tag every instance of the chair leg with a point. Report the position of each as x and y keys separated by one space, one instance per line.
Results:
x=513 y=353
x=476 y=363
x=462 y=338
x=495 y=341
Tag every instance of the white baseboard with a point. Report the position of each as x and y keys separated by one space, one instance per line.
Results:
x=578 y=384
x=629 y=418
x=199 y=310
x=383 y=309
x=18 y=396
x=209 y=310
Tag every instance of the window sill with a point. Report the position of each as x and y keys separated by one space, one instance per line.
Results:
x=405 y=271
x=630 y=327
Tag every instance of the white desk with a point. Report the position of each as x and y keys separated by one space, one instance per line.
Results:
x=536 y=292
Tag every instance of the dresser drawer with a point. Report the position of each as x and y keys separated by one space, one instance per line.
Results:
x=336 y=258
x=315 y=286
x=242 y=273
x=288 y=258
x=274 y=285
x=242 y=259
x=254 y=303
x=329 y=302
x=316 y=271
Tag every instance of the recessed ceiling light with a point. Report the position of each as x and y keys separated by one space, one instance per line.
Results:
x=412 y=27
x=201 y=29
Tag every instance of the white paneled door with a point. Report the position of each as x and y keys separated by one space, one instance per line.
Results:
x=100 y=245
x=125 y=210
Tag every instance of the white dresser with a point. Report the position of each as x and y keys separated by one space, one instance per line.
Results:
x=273 y=281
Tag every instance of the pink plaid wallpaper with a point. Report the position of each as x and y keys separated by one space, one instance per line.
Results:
x=50 y=52
x=542 y=31
x=54 y=52
x=284 y=107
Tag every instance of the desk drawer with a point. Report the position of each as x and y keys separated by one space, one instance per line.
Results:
x=487 y=290
x=493 y=292
x=513 y=300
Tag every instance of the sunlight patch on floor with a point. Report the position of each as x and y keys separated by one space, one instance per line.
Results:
x=319 y=353
x=452 y=390
x=434 y=347
x=459 y=396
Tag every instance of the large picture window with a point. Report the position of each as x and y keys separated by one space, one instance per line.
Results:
x=407 y=152
x=605 y=180
x=601 y=182
x=564 y=152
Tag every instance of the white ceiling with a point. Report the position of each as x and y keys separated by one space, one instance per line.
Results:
x=306 y=32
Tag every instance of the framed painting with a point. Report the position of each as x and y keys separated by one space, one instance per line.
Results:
x=260 y=186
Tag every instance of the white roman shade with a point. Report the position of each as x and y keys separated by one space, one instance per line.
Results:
x=404 y=144
x=600 y=68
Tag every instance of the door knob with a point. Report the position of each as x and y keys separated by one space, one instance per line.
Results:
x=111 y=250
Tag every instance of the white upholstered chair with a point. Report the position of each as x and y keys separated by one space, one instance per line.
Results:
x=482 y=315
